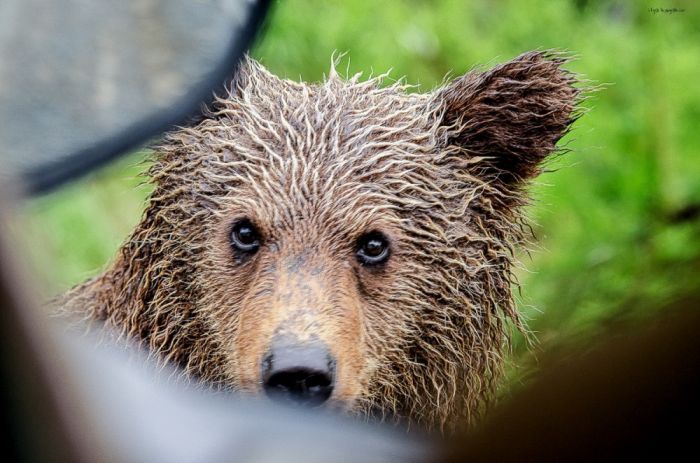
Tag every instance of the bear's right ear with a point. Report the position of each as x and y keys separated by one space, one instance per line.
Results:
x=509 y=119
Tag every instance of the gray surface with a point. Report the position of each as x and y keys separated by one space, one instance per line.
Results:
x=75 y=71
x=140 y=413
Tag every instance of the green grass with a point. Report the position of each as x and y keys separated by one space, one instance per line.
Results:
x=607 y=247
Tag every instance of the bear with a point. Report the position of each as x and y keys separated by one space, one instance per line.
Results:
x=344 y=244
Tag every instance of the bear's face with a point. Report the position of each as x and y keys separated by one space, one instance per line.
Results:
x=350 y=245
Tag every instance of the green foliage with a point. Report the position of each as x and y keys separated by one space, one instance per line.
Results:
x=612 y=243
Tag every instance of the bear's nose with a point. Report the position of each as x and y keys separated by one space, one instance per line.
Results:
x=298 y=373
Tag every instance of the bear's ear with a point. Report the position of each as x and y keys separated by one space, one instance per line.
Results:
x=512 y=116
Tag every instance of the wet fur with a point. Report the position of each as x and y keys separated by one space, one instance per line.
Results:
x=314 y=166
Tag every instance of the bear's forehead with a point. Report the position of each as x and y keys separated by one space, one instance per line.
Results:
x=328 y=121
x=295 y=149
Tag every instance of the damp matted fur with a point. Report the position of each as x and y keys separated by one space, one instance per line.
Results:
x=442 y=174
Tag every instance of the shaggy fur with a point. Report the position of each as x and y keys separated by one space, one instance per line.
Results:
x=314 y=166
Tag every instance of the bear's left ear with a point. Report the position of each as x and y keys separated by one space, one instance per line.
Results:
x=509 y=119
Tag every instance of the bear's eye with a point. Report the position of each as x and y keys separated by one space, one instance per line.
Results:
x=245 y=237
x=373 y=248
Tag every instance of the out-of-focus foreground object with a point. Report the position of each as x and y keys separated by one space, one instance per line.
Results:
x=632 y=397
x=83 y=81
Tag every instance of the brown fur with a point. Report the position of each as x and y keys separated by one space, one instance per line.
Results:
x=441 y=174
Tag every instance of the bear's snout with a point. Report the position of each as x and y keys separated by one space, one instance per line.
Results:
x=298 y=373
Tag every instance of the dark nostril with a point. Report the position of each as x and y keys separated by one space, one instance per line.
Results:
x=302 y=386
x=299 y=374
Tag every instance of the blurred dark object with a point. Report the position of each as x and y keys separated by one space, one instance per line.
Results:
x=83 y=81
x=634 y=396
x=35 y=429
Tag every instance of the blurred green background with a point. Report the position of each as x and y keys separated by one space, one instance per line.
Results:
x=617 y=220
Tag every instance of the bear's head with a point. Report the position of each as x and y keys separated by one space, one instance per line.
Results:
x=342 y=243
